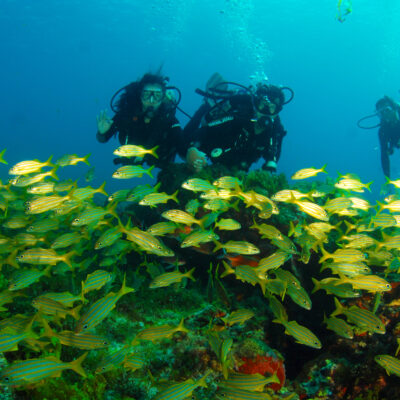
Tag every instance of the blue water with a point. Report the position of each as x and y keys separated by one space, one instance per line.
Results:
x=63 y=60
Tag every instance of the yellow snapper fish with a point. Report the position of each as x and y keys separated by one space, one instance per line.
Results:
x=198 y=237
x=181 y=217
x=46 y=203
x=170 y=278
x=183 y=390
x=352 y=184
x=155 y=333
x=41 y=188
x=84 y=341
x=153 y=199
x=100 y=309
x=389 y=363
x=40 y=256
x=307 y=173
x=286 y=195
x=238 y=317
x=30 y=166
x=23 y=181
x=227 y=182
x=36 y=369
x=361 y=317
x=227 y=224
x=300 y=333
x=162 y=228
x=131 y=150
x=72 y=159
x=132 y=171
x=312 y=209
x=198 y=185
x=371 y=283
x=239 y=247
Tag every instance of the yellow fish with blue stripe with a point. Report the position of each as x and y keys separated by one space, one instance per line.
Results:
x=390 y=363
x=155 y=333
x=100 y=309
x=170 y=278
x=183 y=390
x=36 y=369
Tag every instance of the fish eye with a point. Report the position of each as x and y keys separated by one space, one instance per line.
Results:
x=105 y=343
x=7 y=379
x=85 y=326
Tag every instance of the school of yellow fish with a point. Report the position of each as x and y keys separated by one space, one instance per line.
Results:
x=47 y=225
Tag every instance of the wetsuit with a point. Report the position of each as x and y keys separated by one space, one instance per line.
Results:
x=163 y=130
x=389 y=138
x=233 y=136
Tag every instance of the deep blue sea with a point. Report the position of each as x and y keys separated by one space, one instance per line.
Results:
x=63 y=60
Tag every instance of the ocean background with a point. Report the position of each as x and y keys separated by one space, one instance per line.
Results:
x=63 y=60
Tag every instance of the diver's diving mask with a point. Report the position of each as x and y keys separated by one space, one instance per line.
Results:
x=152 y=95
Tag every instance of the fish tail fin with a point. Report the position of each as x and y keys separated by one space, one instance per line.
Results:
x=111 y=207
x=153 y=151
x=181 y=327
x=189 y=274
x=263 y=285
x=202 y=381
x=349 y=227
x=125 y=289
x=101 y=189
x=83 y=293
x=339 y=308
x=67 y=258
x=379 y=207
x=47 y=271
x=148 y=171
x=11 y=259
x=2 y=160
x=367 y=185
x=48 y=162
x=323 y=169
x=86 y=159
x=235 y=205
x=76 y=365
x=317 y=284
x=388 y=181
x=218 y=245
x=291 y=229
x=53 y=173
x=325 y=254
x=174 y=196
x=47 y=330
x=75 y=312
x=228 y=270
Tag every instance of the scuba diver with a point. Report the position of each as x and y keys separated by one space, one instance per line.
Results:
x=237 y=127
x=145 y=116
x=388 y=112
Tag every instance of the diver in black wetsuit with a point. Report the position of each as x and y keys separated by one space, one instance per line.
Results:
x=388 y=112
x=237 y=128
x=145 y=116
